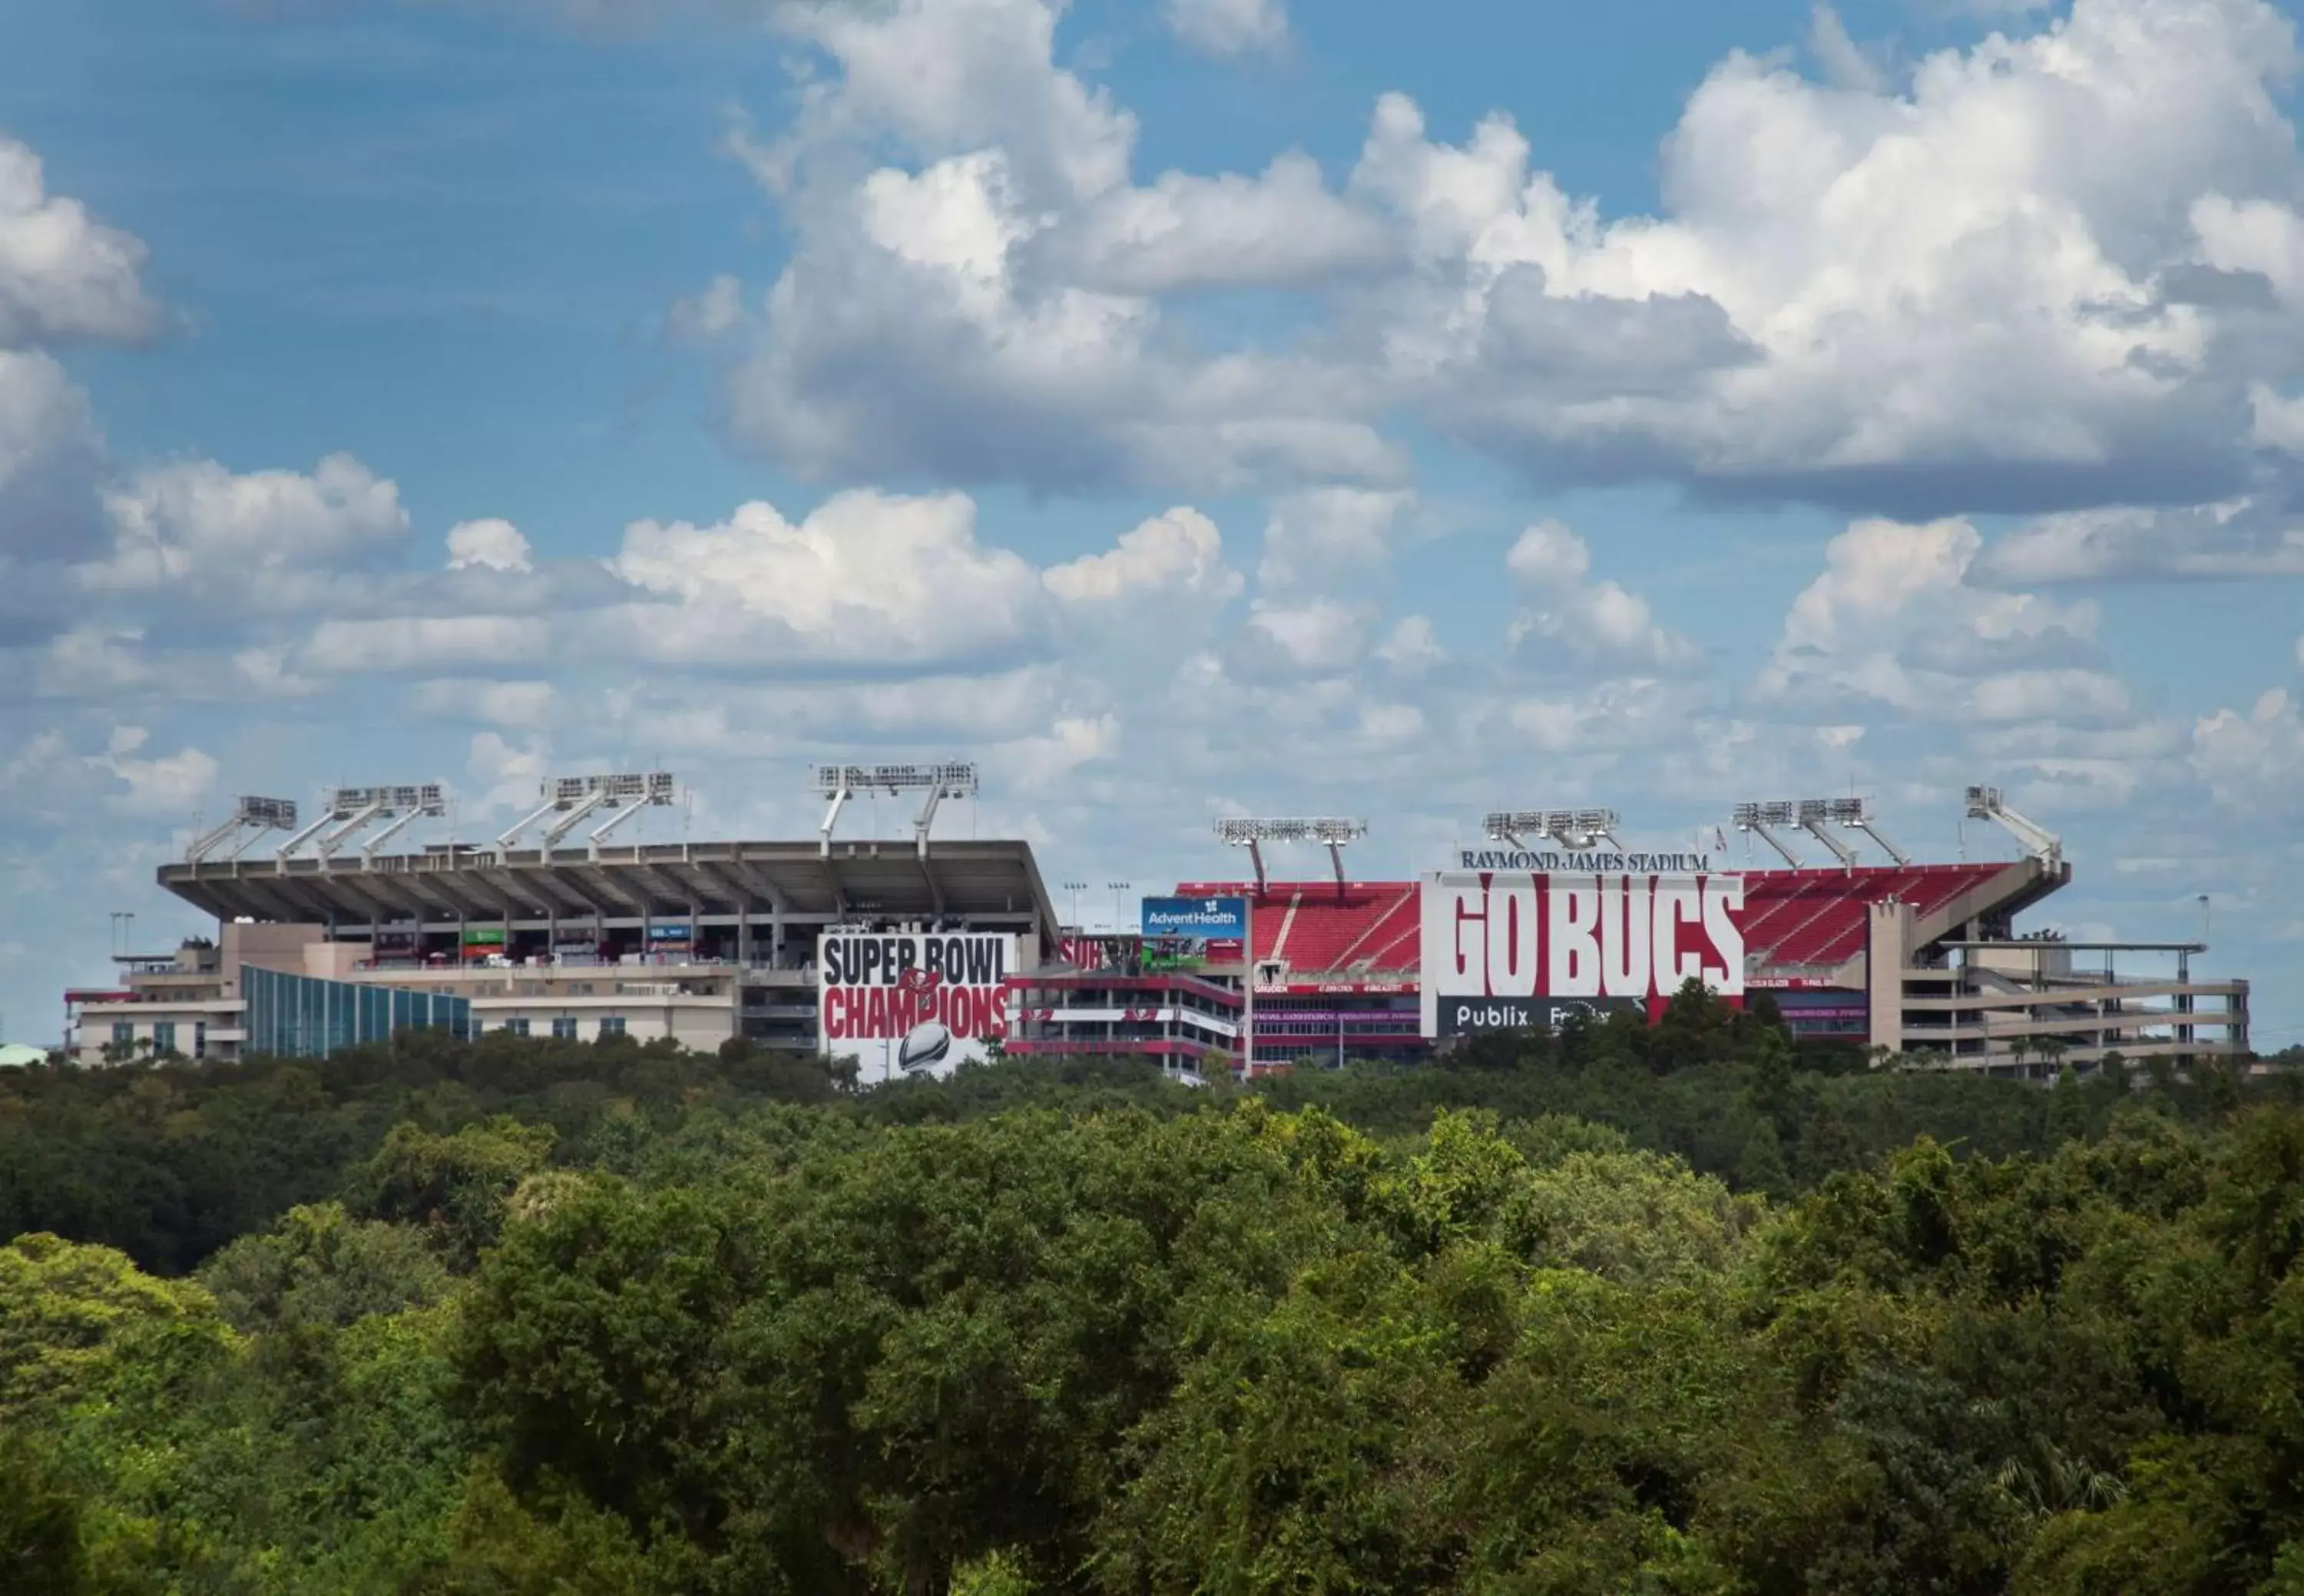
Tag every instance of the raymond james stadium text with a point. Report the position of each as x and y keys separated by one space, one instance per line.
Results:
x=1616 y=864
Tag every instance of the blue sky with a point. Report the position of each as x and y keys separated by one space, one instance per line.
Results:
x=1180 y=407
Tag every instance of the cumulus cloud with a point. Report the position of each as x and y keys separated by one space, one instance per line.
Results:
x=1568 y=621
x=1225 y=28
x=62 y=275
x=425 y=643
x=2253 y=759
x=1179 y=552
x=490 y=545
x=2236 y=539
x=1283 y=229
x=867 y=578
x=1321 y=535
x=1897 y=619
x=49 y=458
x=522 y=704
x=1319 y=636
x=1938 y=295
x=164 y=787
x=194 y=525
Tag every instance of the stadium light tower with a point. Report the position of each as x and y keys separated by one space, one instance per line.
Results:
x=837 y=783
x=1575 y=828
x=1855 y=814
x=255 y=816
x=1815 y=816
x=631 y=792
x=1762 y=819
x=1985 y=803
x=574 y=797
x=404 y=806
x=1252 y=834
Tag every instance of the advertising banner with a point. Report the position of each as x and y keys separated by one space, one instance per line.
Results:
x=1507 y=950
x=1181 y=933
x=668 y=933
x=476 y=936
x=913 y=1002
x=1196 y=919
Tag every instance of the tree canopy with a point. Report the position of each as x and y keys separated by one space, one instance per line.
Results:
x=1680 y=1311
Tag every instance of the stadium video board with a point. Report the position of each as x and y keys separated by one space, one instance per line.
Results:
x=1191 y=933
x=1506 y=951
x=912 y=1004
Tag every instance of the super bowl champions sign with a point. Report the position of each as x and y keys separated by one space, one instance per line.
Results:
x=1508 y=951
x=913 y=1002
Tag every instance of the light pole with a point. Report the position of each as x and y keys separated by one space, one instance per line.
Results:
x=1118 y=889
x=1076 y=889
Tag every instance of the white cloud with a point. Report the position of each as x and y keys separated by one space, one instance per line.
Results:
x=520 y=704
x=196 y=525
x=1410 y=648
x=1229 y=27
x=716 y=311
x=1321 y=535
x=48 y=460
x=1844 y=62
x=62 y=275
x=1590 y=625
x=1319 y=635
x=162 y=786
x=867 y=578
x=1283 y=229
x=1898 y=619
x=425 y=643
x=1548 y=553
x=2233 y=540
x=1941 y=295
x=1179 y=551
x=508 y=776
x=2253 y=761
x=488 y=544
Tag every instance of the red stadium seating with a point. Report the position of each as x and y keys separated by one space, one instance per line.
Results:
x=1816 y=917
x=1813 y=917
x=1312 y=927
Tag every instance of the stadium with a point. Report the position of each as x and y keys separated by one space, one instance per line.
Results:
x=918 y=952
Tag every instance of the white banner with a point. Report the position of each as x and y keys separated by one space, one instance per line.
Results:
x=913 y=1002
x=1505 y=950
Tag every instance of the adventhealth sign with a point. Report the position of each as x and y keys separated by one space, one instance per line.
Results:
x=1201 y=920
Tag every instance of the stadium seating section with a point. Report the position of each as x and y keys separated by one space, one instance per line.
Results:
x=1812 y=918
x=1815 y=918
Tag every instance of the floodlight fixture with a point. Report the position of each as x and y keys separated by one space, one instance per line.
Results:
x=572 y=797
x=1815 y=816
x=1331 y=833
x=837 y=783
x=1763 y=819
x=251 y=815
x=1986 y=804
x=1571 y=828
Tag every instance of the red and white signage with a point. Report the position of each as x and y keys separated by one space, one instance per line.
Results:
x=912 y=1004
x=1507 y=950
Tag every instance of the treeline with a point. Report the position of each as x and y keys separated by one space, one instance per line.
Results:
x=1671 y=1312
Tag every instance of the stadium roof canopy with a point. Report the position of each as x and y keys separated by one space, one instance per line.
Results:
x=995 y=882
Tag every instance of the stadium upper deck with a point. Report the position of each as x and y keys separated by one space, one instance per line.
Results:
x=1808 y=923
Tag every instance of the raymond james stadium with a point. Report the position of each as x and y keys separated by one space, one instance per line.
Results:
x=914 y=953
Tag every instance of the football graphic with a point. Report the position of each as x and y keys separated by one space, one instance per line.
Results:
x=926 y=1046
